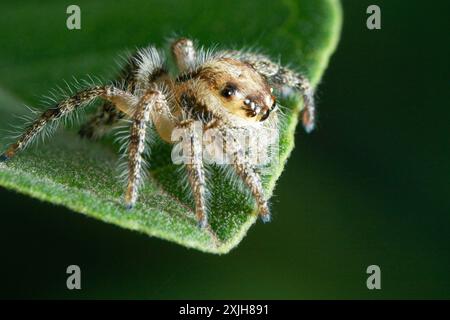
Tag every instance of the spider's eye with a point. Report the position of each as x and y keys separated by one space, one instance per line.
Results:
x=265 y=116
x=229 y=90
x=274 y=104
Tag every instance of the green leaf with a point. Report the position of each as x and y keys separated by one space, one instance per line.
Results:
x=81 y=174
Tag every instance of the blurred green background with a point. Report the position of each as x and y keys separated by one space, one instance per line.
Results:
x=370 y=186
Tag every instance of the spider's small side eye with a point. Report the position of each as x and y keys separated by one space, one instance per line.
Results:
x=229 y=90
x=274 y=104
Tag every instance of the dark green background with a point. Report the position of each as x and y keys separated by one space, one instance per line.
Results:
x=370 y=186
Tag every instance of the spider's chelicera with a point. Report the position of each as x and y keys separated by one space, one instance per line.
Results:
x=221 y=92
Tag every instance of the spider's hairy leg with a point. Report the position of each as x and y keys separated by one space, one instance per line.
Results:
x=246 y=172
x=286 y=77
x=142 y=69
x=283 y=78
x=102 y=122
x=140 y=120
x=195 y=168
x=184 y=53
x=62 y=109
x=253 y=182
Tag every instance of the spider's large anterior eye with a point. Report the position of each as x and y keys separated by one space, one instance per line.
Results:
x=265 y=116
x=229 y=90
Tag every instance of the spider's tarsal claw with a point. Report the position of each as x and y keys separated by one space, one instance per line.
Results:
x=309 y=127
x=308 y=121
x=129 y=206
x=3 y=158
x=202 y=224
x=266 y=218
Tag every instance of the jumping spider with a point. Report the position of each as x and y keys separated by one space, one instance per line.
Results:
x=223 y=90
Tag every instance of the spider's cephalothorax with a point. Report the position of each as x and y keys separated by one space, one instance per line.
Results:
x=223 y=91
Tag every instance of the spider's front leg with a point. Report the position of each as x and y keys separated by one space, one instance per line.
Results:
x=195 y=169
x=287 y=78
x=121 y=99
x=245 y=170
x=140 y=120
